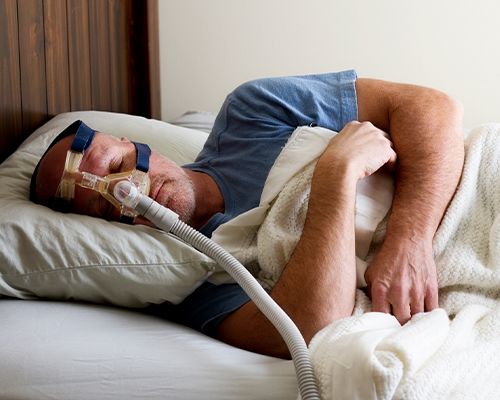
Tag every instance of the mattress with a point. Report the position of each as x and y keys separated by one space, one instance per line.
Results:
x=70 y=350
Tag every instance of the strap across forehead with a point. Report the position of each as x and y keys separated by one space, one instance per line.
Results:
x=83 y=138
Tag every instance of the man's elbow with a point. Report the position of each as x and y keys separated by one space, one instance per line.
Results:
x=438 y=114
x=453 y=107
x=446 y=108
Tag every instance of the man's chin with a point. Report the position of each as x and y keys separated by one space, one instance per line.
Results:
x=140 y=220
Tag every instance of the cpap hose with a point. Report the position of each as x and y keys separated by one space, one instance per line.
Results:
x=167 y=220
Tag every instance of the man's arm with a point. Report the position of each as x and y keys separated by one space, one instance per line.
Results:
x=318 y=284
x=426 y=128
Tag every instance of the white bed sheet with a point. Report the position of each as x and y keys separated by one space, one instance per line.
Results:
x=67 y=350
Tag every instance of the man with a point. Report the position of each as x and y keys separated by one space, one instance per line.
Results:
x=376 y=120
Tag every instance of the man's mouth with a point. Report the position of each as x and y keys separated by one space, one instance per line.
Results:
x=165 y=200
x=155 y=191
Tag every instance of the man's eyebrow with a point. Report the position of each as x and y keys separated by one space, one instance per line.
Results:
x=104 y=155
x=105 y=149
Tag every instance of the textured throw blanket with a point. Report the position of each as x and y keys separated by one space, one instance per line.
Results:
x=452 y=352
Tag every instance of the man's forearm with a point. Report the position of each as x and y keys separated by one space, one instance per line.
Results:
x=426 y=129
x=319 y=282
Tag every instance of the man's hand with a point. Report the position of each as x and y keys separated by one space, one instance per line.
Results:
x=361 y=146
x=402 y=279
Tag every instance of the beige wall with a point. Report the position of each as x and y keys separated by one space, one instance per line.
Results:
x=210 y=46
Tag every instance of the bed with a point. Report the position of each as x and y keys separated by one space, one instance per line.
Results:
x=76 y=290
x=97 y=61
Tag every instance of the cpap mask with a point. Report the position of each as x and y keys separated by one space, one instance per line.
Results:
x=72 y=176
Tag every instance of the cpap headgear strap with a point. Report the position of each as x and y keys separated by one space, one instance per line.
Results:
x=72 y=175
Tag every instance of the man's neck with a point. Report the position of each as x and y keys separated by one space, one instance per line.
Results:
x=208 y=198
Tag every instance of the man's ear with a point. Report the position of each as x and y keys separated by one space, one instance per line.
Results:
x=124 y=139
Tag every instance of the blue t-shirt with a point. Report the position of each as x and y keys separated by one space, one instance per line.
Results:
x=254 y=124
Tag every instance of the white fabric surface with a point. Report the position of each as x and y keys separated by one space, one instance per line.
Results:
x=74 y=351
x=60 y=256
x=196 y=119
x=452 y=352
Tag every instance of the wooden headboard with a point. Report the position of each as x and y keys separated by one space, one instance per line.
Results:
x=70 y=55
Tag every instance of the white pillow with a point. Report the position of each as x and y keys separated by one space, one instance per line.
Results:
x=44 y=253
x=194 y=119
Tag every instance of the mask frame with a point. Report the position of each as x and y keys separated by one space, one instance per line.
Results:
x=72 y=175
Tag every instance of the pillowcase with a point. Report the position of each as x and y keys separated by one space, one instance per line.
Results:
x=48 y=254
x=195 y=119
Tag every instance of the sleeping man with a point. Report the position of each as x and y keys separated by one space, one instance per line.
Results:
x=414 y=131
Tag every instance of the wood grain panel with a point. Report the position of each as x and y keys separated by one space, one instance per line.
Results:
x=56 y=56
x=32 y=61
x=119 y=55
x=154 y=59
x=99 y=55
x=10 y=81
x=79 y=55
x=145 y=64
x=69 y=55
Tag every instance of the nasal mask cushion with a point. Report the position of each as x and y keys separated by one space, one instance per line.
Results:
x=72 y=176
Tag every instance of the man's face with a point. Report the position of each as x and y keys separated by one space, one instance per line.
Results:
x=170 y=185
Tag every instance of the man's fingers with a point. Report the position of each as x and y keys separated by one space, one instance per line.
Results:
x=417 y=301
x=431 y=299
x=380 y=302
x=382 y=306
x=392 y=163
x=403 y=291
x=403 y=310
x=401 y=302
x=402 y=313
x=400 y=308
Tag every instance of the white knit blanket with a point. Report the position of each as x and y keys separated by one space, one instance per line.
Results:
x=452 y=352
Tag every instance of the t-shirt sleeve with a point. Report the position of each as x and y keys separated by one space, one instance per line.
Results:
x=205 y=309
x=274 y=106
